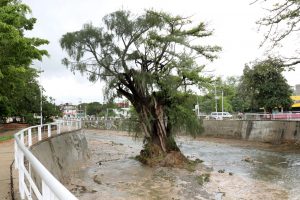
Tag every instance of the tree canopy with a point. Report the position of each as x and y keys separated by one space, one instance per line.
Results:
x=19 y=89
x=150 y=59
x=231 y=102
x=264 y=86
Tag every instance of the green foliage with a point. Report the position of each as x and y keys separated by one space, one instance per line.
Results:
x=19 y=89
x=182 y=118
x=4 y=138
x=16 y=49
x=150 y=155
x=171 y=144
x=201 y=179
x=30 y=119
x=264 y=86
x=98 y=109
x=94 y=108
x=232 y=101
x=50 y=110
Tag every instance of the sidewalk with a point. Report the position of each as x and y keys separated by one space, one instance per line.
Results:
x=6 y=158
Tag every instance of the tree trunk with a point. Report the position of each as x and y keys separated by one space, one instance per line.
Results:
x=155 y=126
x=159 y=127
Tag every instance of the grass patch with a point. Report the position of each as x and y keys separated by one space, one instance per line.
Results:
x=201 y=179
x=4 y=138
x=191 y=165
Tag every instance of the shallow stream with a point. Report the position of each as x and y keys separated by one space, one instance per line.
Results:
x=236 y=172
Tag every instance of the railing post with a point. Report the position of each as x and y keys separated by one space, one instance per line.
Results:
x=69 y=126
x=39 y=133
x=21 y=173
x=49 y=130
x=30 y=187
x=77 y=124
x=16 y=155
x=58 y=127
x=29 y=138
x=22 y=137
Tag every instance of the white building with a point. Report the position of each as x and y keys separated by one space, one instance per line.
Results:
x=69 y=110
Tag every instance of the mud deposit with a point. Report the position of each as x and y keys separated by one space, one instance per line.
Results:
x=232 y=172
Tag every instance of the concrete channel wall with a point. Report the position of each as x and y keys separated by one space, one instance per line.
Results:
x=62 y=154
x=275 y=132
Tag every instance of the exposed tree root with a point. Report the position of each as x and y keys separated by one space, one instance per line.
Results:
x=152 y=155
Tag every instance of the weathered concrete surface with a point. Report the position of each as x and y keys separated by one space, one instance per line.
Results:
x=62 y=154
x=276 y=132
x=223 y=128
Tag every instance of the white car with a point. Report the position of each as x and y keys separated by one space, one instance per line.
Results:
x=220 y=115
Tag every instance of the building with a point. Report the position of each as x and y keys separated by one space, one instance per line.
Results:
x=68 y=110
x=296 y=104
x=123 y=110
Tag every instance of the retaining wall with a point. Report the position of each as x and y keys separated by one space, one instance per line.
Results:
x=264 y=131
x=62 y=154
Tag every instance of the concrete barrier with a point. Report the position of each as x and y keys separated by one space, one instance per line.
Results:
x=275 y=132
x=62 y=154
x=223 y=128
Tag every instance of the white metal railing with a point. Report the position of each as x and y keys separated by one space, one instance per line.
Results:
x=51 y=188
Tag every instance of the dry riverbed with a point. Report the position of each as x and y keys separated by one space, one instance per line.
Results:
x=229 y=171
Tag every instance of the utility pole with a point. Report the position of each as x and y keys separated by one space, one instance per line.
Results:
x=41 y=88
x=216 y=98
x=222 y=103
x=198 y=112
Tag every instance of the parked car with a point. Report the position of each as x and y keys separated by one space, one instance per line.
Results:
x=220 y=115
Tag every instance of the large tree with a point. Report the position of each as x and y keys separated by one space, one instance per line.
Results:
x=150 y=59
x=282 y=21
x=264 y=86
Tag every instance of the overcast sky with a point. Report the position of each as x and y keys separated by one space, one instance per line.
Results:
x=233 y=22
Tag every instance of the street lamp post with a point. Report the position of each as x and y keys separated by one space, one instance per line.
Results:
x=41 y=103
x=216 y=98
x=198 y=108
x=222 y=103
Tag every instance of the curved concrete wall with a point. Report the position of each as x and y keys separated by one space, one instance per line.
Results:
x=264 y=131
x=62 y=154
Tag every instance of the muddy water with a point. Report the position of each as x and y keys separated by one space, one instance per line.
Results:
x=236 y=172
x=263 y=170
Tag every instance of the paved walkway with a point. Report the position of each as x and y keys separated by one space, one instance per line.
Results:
x=6 y=158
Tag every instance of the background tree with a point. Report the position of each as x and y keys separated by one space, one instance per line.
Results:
x=282 y=21
x=98 y=109
x=94 y=108
x=19 y=89
x=229 y=87
x=149 y=59
x=50 y=110
x=265 y=87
